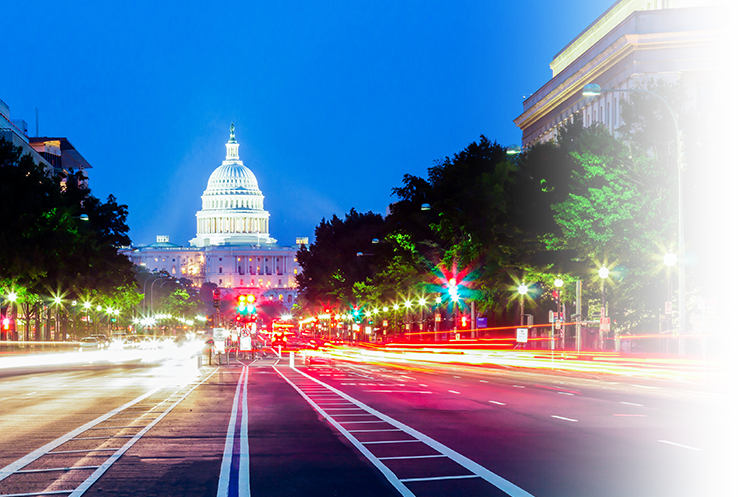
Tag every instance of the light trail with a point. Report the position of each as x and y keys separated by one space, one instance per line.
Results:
x=416 y=356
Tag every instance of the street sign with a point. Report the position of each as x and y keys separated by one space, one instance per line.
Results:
x=667 y=307
x=605 y=325
x=219 y=336
x=550 y=316
x=558 y=324
x=522 y=335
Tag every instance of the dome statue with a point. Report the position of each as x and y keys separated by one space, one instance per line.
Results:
x=232 y=205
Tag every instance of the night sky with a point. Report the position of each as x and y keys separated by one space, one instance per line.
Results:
x=333 y=102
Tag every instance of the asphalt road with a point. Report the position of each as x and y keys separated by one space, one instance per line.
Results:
x=357 y=429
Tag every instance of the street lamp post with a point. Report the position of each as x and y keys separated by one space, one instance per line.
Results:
x=558 y=283
x=522 y=291
x=604 y=273
x=594 y=90
x=669 y=260
x=87 y=306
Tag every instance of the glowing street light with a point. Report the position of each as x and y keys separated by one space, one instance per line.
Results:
x=522 y=291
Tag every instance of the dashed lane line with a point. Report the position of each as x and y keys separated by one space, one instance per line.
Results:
x=565 y=419
x=679 y=445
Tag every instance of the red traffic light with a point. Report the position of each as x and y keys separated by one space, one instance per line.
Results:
x=555 y=294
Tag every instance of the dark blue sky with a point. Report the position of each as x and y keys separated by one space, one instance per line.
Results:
x=333 y=101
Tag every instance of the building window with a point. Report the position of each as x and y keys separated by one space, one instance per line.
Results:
x=241 y=282
x=220 y=259
x=252 y=281
x=706 y=96
x=281 y=297
x=280 y=283
x=220 y=269
x=289 y=298
x=220 y=282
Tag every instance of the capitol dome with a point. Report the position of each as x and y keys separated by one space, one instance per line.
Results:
x=232 y=205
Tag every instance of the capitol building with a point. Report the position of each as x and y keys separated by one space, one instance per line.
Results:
x=232 y=248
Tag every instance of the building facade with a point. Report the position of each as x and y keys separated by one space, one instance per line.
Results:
x=633 y=41
x=232 y=248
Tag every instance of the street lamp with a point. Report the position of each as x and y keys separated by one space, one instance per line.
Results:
x=604 y=273
x=594 y=90
x=669 y=260
x=522 y=291
x=87 y=306
x=558 y=283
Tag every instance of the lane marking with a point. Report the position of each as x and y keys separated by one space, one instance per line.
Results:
x=498 y=403
x=454 y=391
x=429 y=456
x=374 y=431
x=457 y=377
x=225 y=464
x=679 y=445
x=422 y=385
x=476 y=468
x=564 y=393
x=483 y=381
x=565 y=419
x=727 y=419
x=518 y=386
x=85 y=485
x=436 y=478
x=392 y=442
x=29 y=458
x=631 y=415
x=631 y=404
x=244 y=463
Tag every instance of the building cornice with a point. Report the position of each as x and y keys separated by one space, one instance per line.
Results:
x=602 y=62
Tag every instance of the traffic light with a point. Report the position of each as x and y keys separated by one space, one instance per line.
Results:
x=246 y=304
x=6 y=324
x=555 y=294
x=463 y=321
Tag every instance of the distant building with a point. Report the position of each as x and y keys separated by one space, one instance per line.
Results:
x=634 y=40
x=232 y=248
x=57 y=155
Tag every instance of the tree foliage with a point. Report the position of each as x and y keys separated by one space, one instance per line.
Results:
x=46 y=246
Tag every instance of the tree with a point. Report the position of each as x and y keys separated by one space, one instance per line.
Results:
x=331 y=267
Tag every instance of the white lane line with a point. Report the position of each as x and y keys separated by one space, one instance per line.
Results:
x=454 y=391
x=422 y=385
x=631 y=404
x=244 y=470
x=225 y=464
x=564 y=393
x=506 y=486
x=391 y=478
x=80 y=490
x=29 y=458
x=392 y=442
x=518 y=386
x=498 y=403
x=565 y=419
x=483 y=381
x=727 y=419
x=374 y=431
x=678 y=445
x=357 y=422
x=457 y=376
x=429 y=456
x=436 y=478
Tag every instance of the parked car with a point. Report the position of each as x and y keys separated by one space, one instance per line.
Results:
x=102 y=339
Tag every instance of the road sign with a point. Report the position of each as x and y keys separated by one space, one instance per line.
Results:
x=605 y=325
x=522 y=335
x=667 y=307
x=219 y=336
x=558 y=324
x=550 y=316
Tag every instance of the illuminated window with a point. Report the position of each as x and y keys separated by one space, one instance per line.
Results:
x=281 y=297
x=706 y=96
x=295 y=270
